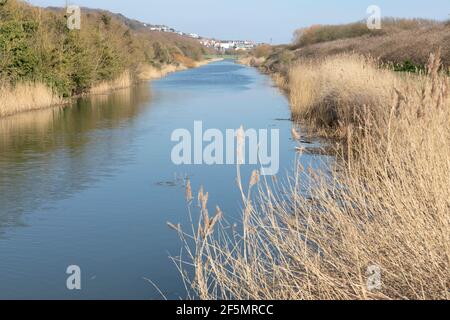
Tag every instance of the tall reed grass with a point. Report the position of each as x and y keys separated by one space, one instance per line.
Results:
x=26 y=96
x=385 y=206
x=125 y=80
x=149 y=72
x=341 y=90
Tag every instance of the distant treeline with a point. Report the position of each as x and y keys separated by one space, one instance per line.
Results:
x=37 y=46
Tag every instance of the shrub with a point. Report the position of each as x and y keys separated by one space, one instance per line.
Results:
x=331 y=92
x=192 y=52
x=161 y=53
x=106 y=19
x=262 y=51
x=324 y=33
x=18 y=60
x=408 y=66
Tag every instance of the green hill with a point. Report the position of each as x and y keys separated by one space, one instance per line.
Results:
x=36 y=46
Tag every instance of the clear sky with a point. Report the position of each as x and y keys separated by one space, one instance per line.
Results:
x=259 y=20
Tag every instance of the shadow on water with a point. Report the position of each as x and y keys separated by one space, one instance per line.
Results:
x=50 y=154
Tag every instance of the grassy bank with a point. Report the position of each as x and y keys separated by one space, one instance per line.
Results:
x=38 y=52
x=26 y=96
x=403 y=44
x=337 y=92
x=383 y=208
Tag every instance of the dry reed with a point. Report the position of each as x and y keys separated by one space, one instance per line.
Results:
x=25 y=97
x=148 y=72
x=125 y=80
x=34 y=95
x=385 y=206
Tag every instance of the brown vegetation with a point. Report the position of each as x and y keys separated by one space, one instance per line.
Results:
x=263 y=50
x=396 y=48
x=336 y=91
x=37 y=50
x=385 y=205
x=26 y=97
x=404 y=44
x=325 y=33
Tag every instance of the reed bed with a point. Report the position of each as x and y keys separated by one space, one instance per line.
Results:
x=375 y=227
x=335 y=91
x=29 y=96
x=26 y=96
x=149 y=72
x=251 y=61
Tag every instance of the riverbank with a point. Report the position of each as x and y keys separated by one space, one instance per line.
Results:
x=106 y=161
x=147 y=73
x=32 y=96
x=45 y=63
x=375 y=226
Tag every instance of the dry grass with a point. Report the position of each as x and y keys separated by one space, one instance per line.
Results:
x=125 y=80
x=251 y=61
x=404 y=43
x=33 y=95
x=148 y=72
x=280 y=82
x=25 y=97
x=340 y=91
x=335 y=91
x=326 y=33
x=397 y=47
x=385 y=206
x=185 y=61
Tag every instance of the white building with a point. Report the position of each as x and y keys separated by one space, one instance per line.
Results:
x=194 y=35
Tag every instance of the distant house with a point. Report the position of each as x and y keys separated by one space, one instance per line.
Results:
x=210 y=43
x=226 y=45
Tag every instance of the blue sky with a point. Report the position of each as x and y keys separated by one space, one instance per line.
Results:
x=259 y=20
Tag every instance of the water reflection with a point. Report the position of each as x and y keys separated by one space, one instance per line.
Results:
x=50 y=154
x=216 y=78
x=96 y=185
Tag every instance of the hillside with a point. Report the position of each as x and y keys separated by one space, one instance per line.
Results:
x=37 y=50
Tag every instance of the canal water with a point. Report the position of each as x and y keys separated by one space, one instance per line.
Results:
x=93 y=184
